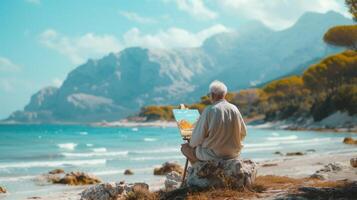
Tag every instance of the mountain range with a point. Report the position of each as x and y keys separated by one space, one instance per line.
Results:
x=119 y=84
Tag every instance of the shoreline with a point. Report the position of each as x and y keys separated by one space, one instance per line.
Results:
x=291 y=166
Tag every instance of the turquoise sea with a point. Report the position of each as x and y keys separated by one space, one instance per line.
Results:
x=27 y=151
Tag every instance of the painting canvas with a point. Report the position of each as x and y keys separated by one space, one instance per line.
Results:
x=186 y=120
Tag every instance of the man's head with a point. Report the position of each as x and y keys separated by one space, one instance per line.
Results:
x=217 y=91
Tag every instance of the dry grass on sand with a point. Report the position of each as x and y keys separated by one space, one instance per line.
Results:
x=268 y=186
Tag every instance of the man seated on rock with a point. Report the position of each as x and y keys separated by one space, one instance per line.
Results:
x=219 y=131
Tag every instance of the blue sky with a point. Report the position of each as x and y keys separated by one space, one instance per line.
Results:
x=42 y=40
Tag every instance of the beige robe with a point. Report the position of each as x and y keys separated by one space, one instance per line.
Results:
x=219 y=132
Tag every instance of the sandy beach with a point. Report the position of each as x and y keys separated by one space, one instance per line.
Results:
x=291 y=166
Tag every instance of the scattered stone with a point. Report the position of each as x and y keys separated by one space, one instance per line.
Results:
x=77 y=178
x=348 y=191
x=234 y=173
x=269 y=165
x=34 y=198
x=104 y=191
x=278 y=153
x=353 y=162
x=349 y=140
x=2 y=190
x=322 y=174
x=56 y=171
x=168 y=167
x=295 y=154
x=319 y=175
x=173 y=181
x=311 y=150
x=113 y=191
x=128 y=172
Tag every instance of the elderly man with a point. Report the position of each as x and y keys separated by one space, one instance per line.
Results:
x=219 y=131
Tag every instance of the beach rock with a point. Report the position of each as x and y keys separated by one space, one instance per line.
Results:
x=104 y=191
x=77 y=178
x=168 y=167
x=319 y=175
x=278 y=153
x=295 y=154
x=269 y=165
x=56 y=171
x=353 y=162
x=128 y=172
x=173 y=181
x=349 y=140
x=322 y=174
x=114 y=191
x=234 y=173
x=2 y=190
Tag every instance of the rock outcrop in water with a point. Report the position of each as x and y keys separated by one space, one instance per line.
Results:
x=2 y=190
x=349 y=140
x=234 y=173
x=168 y=167
x=58 y=176
x=77 y=178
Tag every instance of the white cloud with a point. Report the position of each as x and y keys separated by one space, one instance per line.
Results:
x=196 y=8
x=137 y=18
x=79 y=49
x=170 y=38
x=7 y=65
x=57 y=82
x=34 y=1
x=279 y=14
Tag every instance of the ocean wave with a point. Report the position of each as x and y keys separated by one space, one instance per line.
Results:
x=98 y=150
x=53 y=163
x=89 y=145
x=83 y=133
x=156 y=158
x=263 y=144
x=290 y=137
x=14 y=179
x=275 y=134
x=150 y=139
x=163 y=150
x=94 y=154
x=112 y=172
x=261 y=149
x=135 y=129
x=68 y=146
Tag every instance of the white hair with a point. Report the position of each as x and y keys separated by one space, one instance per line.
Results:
x=218 y=88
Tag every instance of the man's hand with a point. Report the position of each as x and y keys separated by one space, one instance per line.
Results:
x=189 y=152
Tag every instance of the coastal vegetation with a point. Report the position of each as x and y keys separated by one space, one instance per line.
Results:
x=322 y=89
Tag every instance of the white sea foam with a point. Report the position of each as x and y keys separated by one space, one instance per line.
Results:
x=53 y=163
x=290 y=137
x=156 y=158
x=275 y=134
x=68 y=146
x=89 y=145
x=163 y=150
x=263 y=144
x=95 y=154
x=98 y=150
x=135 y=129
x=261 y=149
x=14 y=179
x=150 y=139
x=83 y=133
x=112 y=172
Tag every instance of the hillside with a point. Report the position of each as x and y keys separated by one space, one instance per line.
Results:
x=119 y=84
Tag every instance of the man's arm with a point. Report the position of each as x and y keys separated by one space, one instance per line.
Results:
x=201 y=130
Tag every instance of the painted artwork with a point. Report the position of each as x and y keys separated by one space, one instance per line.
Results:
x=186 y=120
